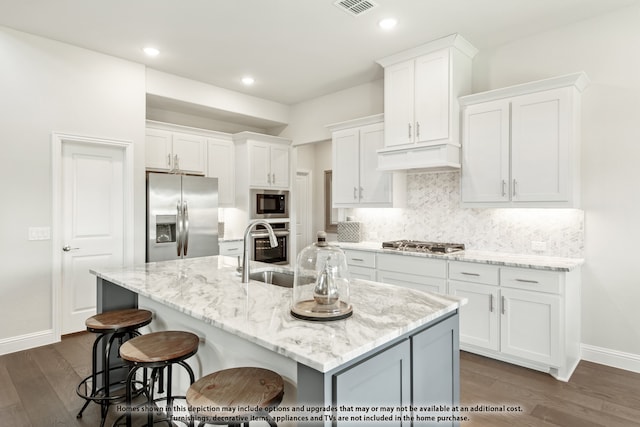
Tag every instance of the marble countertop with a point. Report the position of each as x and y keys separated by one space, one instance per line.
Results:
x=485 y=257
x=209 y=289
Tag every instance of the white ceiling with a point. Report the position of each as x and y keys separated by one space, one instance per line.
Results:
x=296 y=49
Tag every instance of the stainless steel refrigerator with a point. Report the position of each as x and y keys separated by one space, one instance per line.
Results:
x=182 y=216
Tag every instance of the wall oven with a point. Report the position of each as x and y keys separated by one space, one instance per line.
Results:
x=266 y=204
x=261 y=249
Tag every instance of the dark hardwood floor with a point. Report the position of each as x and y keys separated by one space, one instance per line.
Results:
x=37 y=389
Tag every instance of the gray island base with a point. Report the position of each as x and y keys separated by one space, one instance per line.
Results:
x=395 y=362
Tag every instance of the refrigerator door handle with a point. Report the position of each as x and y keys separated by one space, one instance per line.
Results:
x=185 y=218
x=179 y=225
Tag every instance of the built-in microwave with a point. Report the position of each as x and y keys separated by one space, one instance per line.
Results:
x=269 y=204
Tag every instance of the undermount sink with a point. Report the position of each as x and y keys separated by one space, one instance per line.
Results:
x=282 y=278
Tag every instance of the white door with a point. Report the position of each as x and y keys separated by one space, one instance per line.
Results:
x=432 y=97
x=279 y=166
x=398 y=104
x=346 y=166
x=304 y=197
x=92 y=212
x=375 y=185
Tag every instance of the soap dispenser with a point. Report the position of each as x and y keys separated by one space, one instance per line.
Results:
x=321 y=283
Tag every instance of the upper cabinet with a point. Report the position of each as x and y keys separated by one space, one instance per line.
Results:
x=356 y=180
x=421 y=110
x=521 y=145
x=221 y=165
x=264 y=159
x=175 y=151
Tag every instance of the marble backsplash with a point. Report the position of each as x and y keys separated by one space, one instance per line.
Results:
x=433 y=213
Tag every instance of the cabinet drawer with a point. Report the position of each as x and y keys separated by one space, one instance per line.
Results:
x=361 y=258
x=231 y=248
x=473 y=272
x=413 y=265
x=533 y=280
x=364 y=273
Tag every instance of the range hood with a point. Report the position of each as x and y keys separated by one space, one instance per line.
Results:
x=432 y=157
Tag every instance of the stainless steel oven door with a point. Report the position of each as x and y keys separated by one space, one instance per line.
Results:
x=262 y=251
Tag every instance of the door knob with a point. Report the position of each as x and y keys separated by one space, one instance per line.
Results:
x=68 y=248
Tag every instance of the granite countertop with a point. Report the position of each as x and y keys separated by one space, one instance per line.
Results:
x=485 y=257
x=209 y=289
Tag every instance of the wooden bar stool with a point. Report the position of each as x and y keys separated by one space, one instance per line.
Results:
x=253 y=392
x=110 y=326
x=157 y=351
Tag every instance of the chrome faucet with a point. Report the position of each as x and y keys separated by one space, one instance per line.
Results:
x=273 y=241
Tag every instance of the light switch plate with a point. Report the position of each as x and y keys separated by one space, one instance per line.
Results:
x=39 y=233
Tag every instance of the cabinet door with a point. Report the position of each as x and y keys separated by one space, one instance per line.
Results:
x=432 y=98
x=346 y=166
x=279 y=166
x=259 y=167
x=382 y=380
x=398 y=104
x=363 y=273
x=485 y=152
x=435 y=366
x=221 y=165
x=530 y=325
x=189 y=153
x=540 y=146
x=158 y=150
x=375 y=186
x=480 y=316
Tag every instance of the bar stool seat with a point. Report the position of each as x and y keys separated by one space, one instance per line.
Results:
x=257 y=391
x=157 y=351
x=110 y=326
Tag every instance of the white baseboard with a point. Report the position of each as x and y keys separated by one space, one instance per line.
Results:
x=613 y=358
x=27 y=341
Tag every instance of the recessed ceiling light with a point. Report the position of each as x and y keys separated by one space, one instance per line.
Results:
x=387 y=23
x=248 y=80
x=151 y=51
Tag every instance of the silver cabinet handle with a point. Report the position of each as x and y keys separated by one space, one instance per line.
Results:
x=355 y=193
x=68 y=248
x=273 y=178
x=360 y=193
x=168 y=159
x=469 y=274
x=504 y=188
x=268 y=178
x=232 y=249
x=527 y=281
x=491 y=303
x=418 y=130
x=179 y=225
x=409 y=128
x=176 y=162
x=514 y=186
x=357 y=259
x=185 y=212
x=503 y=304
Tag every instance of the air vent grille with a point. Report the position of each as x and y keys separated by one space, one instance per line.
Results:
x=355 y=7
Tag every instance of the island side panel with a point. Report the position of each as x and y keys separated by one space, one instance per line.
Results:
x=114 y=297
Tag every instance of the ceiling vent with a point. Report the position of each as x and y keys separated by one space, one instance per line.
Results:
x=355 y=7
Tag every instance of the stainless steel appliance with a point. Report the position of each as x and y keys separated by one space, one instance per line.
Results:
x=261 y=249
x=182 y=216
x=266 y=204
x=420 y=246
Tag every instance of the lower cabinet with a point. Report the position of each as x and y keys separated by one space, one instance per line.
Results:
x=362 y=264
x=420 y=371
x=425 y=274
x=523 y=316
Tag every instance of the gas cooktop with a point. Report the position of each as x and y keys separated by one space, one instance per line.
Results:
x=425 y=247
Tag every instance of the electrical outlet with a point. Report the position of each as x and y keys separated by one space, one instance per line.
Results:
x=39 y=233
x=538 y=246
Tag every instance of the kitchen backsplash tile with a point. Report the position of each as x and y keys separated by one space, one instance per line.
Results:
x=434 y=213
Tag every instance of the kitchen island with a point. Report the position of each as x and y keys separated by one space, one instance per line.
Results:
x=396 y=354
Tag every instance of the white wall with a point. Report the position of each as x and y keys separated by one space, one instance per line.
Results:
x=48 y=86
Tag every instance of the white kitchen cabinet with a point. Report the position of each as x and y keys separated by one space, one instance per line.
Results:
x=268 y=163
x=424 y=274
x=521 y=145
x=421 y=88
x=361 y=264
x=356 y=180
x=524 y=316
x=175 y=151
x=221 y=165
x=231 y=247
